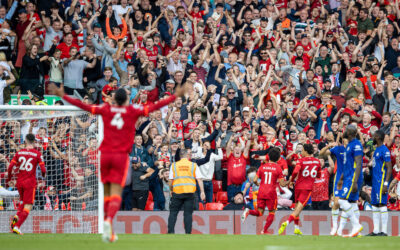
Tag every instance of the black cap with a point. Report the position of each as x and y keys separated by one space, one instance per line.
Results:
x=304 y=36
x=264 y=19
x=134 y=160
x=352 y=41
x=219 y=5
x=23 y=10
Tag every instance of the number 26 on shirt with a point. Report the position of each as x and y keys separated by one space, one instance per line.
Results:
x=26 y=165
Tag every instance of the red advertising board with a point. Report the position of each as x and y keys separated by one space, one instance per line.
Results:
x=204 y=222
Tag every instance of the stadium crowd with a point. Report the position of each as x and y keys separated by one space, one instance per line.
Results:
x=259 y=74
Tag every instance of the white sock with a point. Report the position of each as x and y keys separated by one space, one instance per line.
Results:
x=335 y=215
x=296 y=226
x=356 y=210
x=384 y=218
x=347 y=207
x=375 y=217
x=343 y=221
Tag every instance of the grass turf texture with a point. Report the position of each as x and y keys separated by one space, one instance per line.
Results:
x=193 y=242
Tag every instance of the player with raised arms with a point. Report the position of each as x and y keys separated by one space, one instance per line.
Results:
x=23 y=165
x=381 y=173
x=270 y=174
x=306 y=171
x=119 y=120
x=351 y=179
x=338 y=151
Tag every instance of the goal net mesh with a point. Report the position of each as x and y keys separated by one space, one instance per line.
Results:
x=66 y=199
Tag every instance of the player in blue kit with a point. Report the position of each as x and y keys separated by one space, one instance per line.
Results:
x=351 y=179
x=338 y=151
x=381 y=172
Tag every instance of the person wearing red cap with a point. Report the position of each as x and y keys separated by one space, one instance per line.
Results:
x=352 y=87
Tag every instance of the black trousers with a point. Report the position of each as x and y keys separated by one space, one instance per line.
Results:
x=177 y=202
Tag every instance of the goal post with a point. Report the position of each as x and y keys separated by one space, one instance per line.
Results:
x=69 y=199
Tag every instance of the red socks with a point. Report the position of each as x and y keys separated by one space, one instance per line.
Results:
x=255 y=213
x=113 y=206
x=20 y=208
x=106 y=202
x=291 y=218
x=296 y=221
x=270 y=219
x=22 y=217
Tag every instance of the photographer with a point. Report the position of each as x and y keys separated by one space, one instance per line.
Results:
x=73 y=72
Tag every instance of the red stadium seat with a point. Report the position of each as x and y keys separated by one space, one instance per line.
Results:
x=150 y=197
x=214 y=206
x=149 y=206
x=222 y=197
x=217 y=186
x=201 y=206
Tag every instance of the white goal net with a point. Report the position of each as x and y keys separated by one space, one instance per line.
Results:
x=67 y=198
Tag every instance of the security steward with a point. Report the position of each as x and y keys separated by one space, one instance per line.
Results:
x=182 y=182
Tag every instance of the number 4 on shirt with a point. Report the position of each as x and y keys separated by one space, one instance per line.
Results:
x=117 y=121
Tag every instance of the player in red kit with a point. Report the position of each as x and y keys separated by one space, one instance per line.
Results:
x=270 y=174
x=119 y=121
x=306 y=171
x=24 y=165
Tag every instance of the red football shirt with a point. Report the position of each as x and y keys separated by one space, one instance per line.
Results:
x=269 y=173
x=320 y=190
x=307 y=170
x=24 y=165
x=119 y=121
x=152 y=55
x=236 y=170
x=65 y=49
x=107 y=89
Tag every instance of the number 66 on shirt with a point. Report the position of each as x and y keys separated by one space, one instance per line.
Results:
x=307 y=170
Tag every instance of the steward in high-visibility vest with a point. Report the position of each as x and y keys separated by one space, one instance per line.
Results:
x=184 y=174
x=182 y=182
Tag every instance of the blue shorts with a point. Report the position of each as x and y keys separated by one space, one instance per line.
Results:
x=335 y=187
x=377 y=197
x=345 y=192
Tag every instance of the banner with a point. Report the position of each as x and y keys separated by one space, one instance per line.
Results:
x=49 y=99
x=204 y=222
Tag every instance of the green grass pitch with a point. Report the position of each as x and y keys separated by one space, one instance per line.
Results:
x=193 y=242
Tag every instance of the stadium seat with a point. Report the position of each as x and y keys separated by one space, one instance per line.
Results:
x=214 y=206
x=150 y=197
x=149 y=206
x=201 y=206
x=217 y=186
x=222 y=197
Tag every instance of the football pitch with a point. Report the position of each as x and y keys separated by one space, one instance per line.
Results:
x=193 y=242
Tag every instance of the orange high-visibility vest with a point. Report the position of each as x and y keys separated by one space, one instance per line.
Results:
x=184 y=172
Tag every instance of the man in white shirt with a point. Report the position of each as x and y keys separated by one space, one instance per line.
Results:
x=206 y=171
x=5 y=83
x=121 y=10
